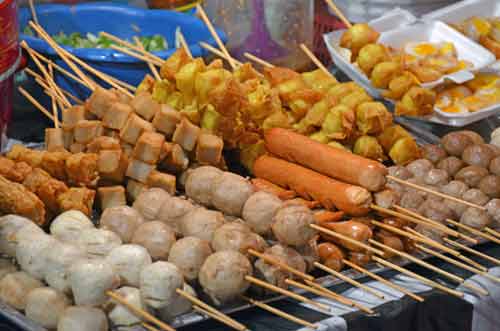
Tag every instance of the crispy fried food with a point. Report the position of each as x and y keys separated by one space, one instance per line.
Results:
x=384 y=72
x=16 y=199
x=372 y=117
x=54 y=163
x=173 y=64
x=339 y=122
x=369 y=147
x=371 y=55
x=404 y=151
x=492 y=45
x=37 y=178
x=48 y=193
x=390 y=135
x=316 y=115
x=81 y=199
x=14 y=171
x=426 y=74
x=399 y=85
x=358 y=36
x=82 y=169
x=319 y=81
x=417 y=101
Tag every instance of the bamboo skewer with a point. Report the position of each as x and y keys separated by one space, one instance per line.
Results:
x=139 y=312
x=383 y=281
x=472 y=251
x=53 y=98
x=184 y=44
x=135 y=55
x=474 y=231
x=280 y=313
x=349 y=280
x=255 y=59
x=339 y=14
x=132 y=46
x=315 y=60
x=280 y=265
x=287 y=293
x=418 y=277
x=148 y=327
x=429 y=266
x=345 y=238
x=458 y=263
x=39 y=79
x=35 y=103
x=492 y=232
x=218 y=317
x=33 y=12
x=150 y=65
x=198 y=302
x=217 y=52
x=436 y=193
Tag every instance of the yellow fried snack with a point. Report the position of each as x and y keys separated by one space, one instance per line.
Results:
x=390 y=135
x=336 y=144
x=278 y=119
x=384 y=72
x=315 y=116
x=368 y=146
x=355 y=98
x=261 y=103
x=250 y=153
x=400 y=85
x=425 y=74
x=162 y=89
x=417 y=101
x=301 y=101
x=339 y=122
x=371 y=55
x=185 y=79
x=318 y=80
x=404 y=151
x=358 y=36
x=146 y=85
x=320 y=136
x=172 y=65
x=341 y=90
x=372 y=117
x=207 y=81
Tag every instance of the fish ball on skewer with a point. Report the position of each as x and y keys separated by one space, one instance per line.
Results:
x=45 y=306
x=490 y=185
x=475 y=218
x=230 y=192
x=433 y=153
x=29 y=254
x=434 y=209
x=156 y=237
x=69 y=225
x=201 y=223
x=172 y=212
x=58 y=260
x=128 y=261
x=179 y=305
x=259 y=210
x=14 y=288
x=9 y=226
x=238 y=237
x=189 y=254
x=493 y=208
x=120 y=315
x=451 y=165
x=455 y=143
x=292 y=225
x=199 y=184
x=387 y=198
x=159 y=282
x=98 y=243
x=420 y=167
x=455 y=188
x=475 y=196
x=436 y=177
x=122 y=220
x=83 y=319
x=478 y=155
x=149 y=202
x=471 y=175
x=494 y=166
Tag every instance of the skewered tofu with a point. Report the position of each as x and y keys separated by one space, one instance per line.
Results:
x=82 y=169
x=148 y=147
x=209 y=149
x=55 y=164
x=16 y=199
x=77 y=148
x=127 y=148
x=117 y=115
x=85 y=131
x=32 y=157
x=100 y=101
x=36 y=179
x=68 y=138
x=166 y=120
x=139 y=170
x=133 y=129
x=177 y=160
x=134 y=189
x=162 y=180
x=112 y=165
x=48 y=193
x=103 y=143
x=81 y=199
x=186 y=134
x=18 y=172
x=145 y=106
x=166 y=150
x=54 y=139
x=72 y=115
x=111 y=133
x=111 y=196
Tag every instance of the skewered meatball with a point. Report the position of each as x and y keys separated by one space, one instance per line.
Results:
x=457 y=208
x=83 y=319
x=455 y=188
x=159 y=282
x=45 y=306
x=435 y=210
x=310 y=253
x=9 y=226
x=471 y=175
x=179 y=306
x=230 y=192
x=454 y=143
x=238 y=237
x=475 y=196
x=474 y=136
x=122 y=220
x=199 y=184
x=223 y=276
x=98 y=242
x=259 y=210
x=494 y=166
x=478 y=155
x=172 y=212
x=430 y=232
x=156 y=237
x=433 y=153
x=475 y=218
x=420 y=167
x=493 y=208
x=29 y=255
x=392 y=241
x=69 y=225
x=189 y=254
x=201 y=223
x=451 y=165
x=399 y=172
x=436 y=177
x=359 y=258
x=120 y=315
x=14 y=288
x=128 y=261
x=490 y=185
x=387 y=198
x=149 y=202
x=292 y=225
x=58 y=259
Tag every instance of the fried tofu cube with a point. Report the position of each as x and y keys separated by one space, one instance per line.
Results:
x=6 y=166
x=162 y=180
x=166 y=150
x=32 y=157
x=49 y=192
x=139 y=170
x=81 y=169
x=55 y=164
x=209 y=149
x=186 y=134
x=77 y=148
x=72 y=115
x=38 y=177
x=177 y=161
x=145 y=106
x=111 y=196
x=54 y=139
x=18 y=172
x=68 y=138
x=166 y=120
x=111 y=133
x=85 y=131
x=148 y=147
x=117 y=115
x=103 y=143
x=81 y=199
x=112 y=165
x=127 y=148
x=134 y=189
x=133 y=129
x=101 y=101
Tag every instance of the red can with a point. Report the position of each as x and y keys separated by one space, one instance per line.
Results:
x=10 y=57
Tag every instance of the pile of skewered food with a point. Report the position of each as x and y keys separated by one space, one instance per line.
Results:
x=484 y=30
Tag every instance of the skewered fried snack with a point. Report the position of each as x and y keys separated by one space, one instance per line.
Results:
x=16 y=199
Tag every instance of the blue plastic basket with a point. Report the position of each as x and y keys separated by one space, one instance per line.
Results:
x=120 y=20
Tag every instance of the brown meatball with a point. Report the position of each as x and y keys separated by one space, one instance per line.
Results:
x=475 y=218
x=189 y=254
x=387 y=198
x=435 y=210
x=490 y=185
x=455 y=188
x=471 y=175
x=454 y=143
x=259 y=210
x=495 y=166
x=156 y=237
x=230 y=192
x=238 y=237
x=431 y=232
x=399 y=172
x=478 y=155
x=493 y=208
x=451 y=165
x=201 y=223
x=436 y=177
x=292 y=225
x=122 y=220
x=433 y=153
x=411 y=201
x=475 y=196
x=474 y=136
x=420 y=167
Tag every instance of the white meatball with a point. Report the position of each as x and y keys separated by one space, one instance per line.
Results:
x=156 y=237
x=172 y=212
x=420 y=167
x=128 y=261
x=430 y=232
x=29 y=255
x=159 y=282
x=387 y=198
x=90 y=279
x=83 y=319
x=238 y=237
x=9 y=225
x=148 y=203
x=223 y=276
x=199 y=184
x=475 y=218
x=179 y=306
x=58 y=259
x=201 y=223
x=27 y=232
x=475 y=196
x=69 y=225
x=45 y=306
x=122 y=220
x=230 y=192
x=292 y=225
x=189 y=254
x=6 y=267
x=120 y=315
x=98 y=242
x=455 y=188
x=493 y=208
x=436 y=177
x=14 y=288
x=436 y=210
x=259 y=210
x=399 y=172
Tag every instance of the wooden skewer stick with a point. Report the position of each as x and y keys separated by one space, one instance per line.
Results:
x=33 y=12
x=255 y=59
x=436 y=193
x=429 y=266
x=287 y=293
x=131 y=46
x=279 y=264
x=218 y=53
x=472 y=251
x=339 y=13
x=53 y=98
x=474 y=231
x=218 y=317
x=324 y=292
x=345 y=238
x=39 y=79
x=139 y=312
x=421 y=239
x=383 y=280
x=349 y=280
x=148 y=327
x=417 y=276
x=195 y=301
x=449 y=231
x=492 y=232
x=280 y=313
x=458 y=263
x=315 y=60
x=35 y=103
x=135 y=55
x=211 y=28
x=151 y=66
x=184 y=44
